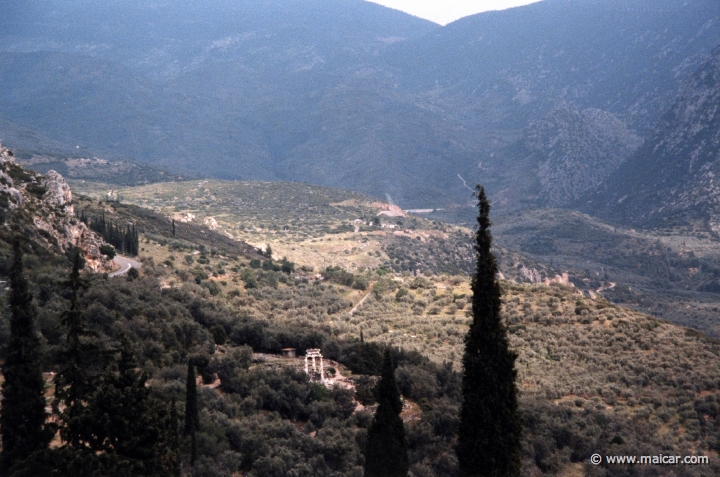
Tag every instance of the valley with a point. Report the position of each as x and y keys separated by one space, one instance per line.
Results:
x=669 y=272
x=585 y=365
x=277 y=177
x=580 y=358
x=593 y=376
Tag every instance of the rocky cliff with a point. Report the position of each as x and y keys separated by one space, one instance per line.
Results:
x=40 y=209
x=576 y=150
x=673 y=175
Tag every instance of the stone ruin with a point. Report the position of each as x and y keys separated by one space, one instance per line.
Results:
x=316 y=373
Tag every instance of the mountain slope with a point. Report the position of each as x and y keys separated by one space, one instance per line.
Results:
x=559 y=158
x=673 y=174
x=502 y=68
x=165 y=40
x=346 y=94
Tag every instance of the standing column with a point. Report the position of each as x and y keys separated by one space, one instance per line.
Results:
x=322 y=370
x=306 y=367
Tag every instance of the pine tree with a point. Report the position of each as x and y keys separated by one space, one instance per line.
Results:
x=22 y=416
x=386 y=450
x=490 y=426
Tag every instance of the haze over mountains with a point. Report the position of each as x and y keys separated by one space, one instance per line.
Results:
x=539 y=103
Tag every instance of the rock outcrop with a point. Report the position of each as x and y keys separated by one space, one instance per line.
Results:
x=58 y=192
x=672 y=177
x=41 y=206
x=576 y=150
x=9 y=196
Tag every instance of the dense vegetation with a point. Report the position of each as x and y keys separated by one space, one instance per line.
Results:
x=23 y=402
x=593 y=377
x=267 y=419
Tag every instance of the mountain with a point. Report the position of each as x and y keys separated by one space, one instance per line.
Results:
x=164 y=40
x=502 y=68
x=671 y=178
x=558 y=158
x=351 y=94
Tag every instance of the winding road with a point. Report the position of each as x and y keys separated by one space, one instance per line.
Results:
x=125 y=265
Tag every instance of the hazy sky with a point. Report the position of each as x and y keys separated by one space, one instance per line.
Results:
x=446 y=11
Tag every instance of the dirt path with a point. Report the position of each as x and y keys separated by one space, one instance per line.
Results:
x=338 y=379
x=354 y=309
x=601 y=289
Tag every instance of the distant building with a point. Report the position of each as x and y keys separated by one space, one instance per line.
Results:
x=288 y=352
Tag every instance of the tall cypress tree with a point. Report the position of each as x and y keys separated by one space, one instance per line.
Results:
x=73 y=385
x=490 y=426
x=22 y=416
x=386 y=450
x=192 y=412
x=175 y=464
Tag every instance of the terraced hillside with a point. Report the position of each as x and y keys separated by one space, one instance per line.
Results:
x=671 y=273
x=594 y=377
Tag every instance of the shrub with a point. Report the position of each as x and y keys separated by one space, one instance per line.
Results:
x=219 y=334
x=360 y=283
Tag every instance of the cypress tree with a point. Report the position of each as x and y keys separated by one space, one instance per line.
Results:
x=192 y=412
x=135 y=241
x=128 y=425
x=386 y=450
x=193 y=448
x=73 y=386
x=490 y=426
x=22 y=416
x=175 y=465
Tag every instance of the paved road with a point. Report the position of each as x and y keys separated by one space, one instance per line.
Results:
x=125 y=265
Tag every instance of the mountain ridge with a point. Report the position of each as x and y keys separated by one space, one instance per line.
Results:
x=672 y=174
x=373 y=100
